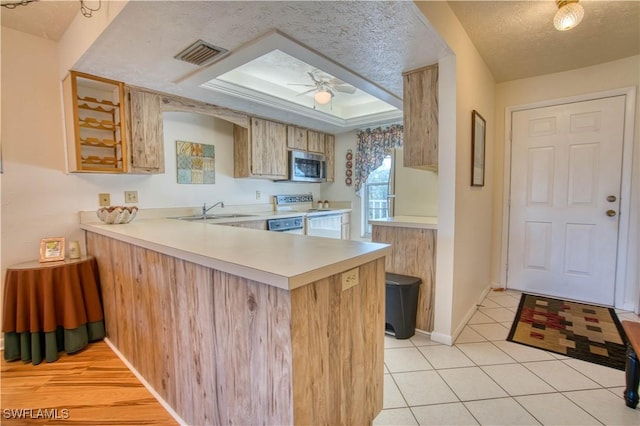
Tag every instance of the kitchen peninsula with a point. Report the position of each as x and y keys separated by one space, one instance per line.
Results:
x=236 y=325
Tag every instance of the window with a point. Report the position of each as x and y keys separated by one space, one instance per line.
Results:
x=375 y=204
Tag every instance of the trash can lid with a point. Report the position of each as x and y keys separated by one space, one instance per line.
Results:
x=401 y=280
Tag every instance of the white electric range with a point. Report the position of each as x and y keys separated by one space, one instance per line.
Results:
x=320 y=221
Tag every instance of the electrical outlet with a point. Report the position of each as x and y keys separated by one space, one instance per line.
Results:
x=104 y=199
x=258 y=195
x=130 y=197
x=350 y=278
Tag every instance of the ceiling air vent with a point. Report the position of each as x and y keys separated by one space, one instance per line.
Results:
x=201 y=53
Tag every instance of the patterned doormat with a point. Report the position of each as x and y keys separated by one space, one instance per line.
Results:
x=587 y=332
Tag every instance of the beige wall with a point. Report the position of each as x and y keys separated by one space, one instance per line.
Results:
x=612 y=75
x=466 y=238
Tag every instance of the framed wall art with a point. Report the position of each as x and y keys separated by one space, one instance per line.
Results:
x=478 y=142
x=51 y=249
x=196 y=162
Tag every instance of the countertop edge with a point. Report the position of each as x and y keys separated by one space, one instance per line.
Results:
x=277 y=280
x=419 y=222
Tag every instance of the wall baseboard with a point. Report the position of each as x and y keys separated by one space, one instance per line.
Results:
x=146 y=384
x=470 y=313
x=442 y=338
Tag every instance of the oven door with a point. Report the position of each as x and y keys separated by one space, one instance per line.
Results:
x=291 y=225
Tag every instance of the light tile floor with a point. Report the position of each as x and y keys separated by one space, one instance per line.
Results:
x=483 y=379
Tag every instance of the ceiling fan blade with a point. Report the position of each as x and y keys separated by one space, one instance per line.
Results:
x=345 y=89
x=308 y=91
x=313 y=77
x=300 y=84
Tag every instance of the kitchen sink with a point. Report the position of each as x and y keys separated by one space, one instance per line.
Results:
x=213 y=216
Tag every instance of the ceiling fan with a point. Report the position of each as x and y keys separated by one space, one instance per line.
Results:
x=325 y=89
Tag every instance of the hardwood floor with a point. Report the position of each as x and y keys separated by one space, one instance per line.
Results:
x=93 y=385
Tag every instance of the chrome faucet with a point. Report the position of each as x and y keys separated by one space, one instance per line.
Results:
x=205 y=209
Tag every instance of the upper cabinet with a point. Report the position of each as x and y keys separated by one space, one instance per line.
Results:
x=315 y=142
x=260 y=151
x=420 y=107
x=330 y=154
x=146 y=140
x=296 y=138
x=94 y=120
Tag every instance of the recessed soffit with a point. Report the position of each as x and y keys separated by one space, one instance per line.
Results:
x=273 y=71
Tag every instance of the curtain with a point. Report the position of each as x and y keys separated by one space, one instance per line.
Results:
x=373 y=146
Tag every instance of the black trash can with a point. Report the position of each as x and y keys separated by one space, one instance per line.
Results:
x=401 y=305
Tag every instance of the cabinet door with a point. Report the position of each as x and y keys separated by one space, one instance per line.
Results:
x=252 y=224
x=420 y=106
x=95 y=124
x=296 y=138
x=330 y=153
x=268 y=148
x=147 y=141
x=315 y=142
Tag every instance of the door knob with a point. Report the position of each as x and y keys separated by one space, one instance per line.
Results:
x=611 y=198
x=611 y=213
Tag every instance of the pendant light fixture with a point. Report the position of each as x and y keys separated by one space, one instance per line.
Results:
x=322 y=97
x=569 y=14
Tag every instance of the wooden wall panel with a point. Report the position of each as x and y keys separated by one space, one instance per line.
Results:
x=413 y=253
x=215 y=346
x=338 y=352
x=221 y=349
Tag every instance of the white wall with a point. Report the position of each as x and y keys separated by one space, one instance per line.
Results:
x=464 y=212
x=612 y=75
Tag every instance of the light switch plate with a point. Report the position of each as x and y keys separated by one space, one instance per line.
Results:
x=104 y=199
x=130 y=197
x=350 y=278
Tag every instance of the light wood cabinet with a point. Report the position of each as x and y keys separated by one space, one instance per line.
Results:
x=414 y=254
x=420 y=107
x=260 y=151
x=330 y=154
x=252 y=224
x=146 y=140
x=315 y=141
x=296 y=138
x=94 y=121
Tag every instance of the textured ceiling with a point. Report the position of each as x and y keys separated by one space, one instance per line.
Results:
x=374 y=40
x=517 y=38
x=48 y=19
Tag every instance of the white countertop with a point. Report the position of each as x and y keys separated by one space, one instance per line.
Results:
x=423 y=222
x=283 y=260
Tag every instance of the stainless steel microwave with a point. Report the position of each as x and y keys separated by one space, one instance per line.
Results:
x=307 y=167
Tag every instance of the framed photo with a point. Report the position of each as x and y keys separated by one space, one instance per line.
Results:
x=51 y=249
x=478 y=134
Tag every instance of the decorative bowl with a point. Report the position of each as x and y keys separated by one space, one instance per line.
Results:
x=114 y=215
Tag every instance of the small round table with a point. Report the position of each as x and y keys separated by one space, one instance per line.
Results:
x=49 y=307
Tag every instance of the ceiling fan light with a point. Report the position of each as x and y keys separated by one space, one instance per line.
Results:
x=569 y=15
x=322 y=97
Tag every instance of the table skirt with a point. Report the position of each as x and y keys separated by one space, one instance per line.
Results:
x=34 y=347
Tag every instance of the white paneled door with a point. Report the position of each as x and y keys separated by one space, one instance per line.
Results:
x=566 y=168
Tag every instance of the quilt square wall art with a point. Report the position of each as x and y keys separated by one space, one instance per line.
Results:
x=196 y=162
